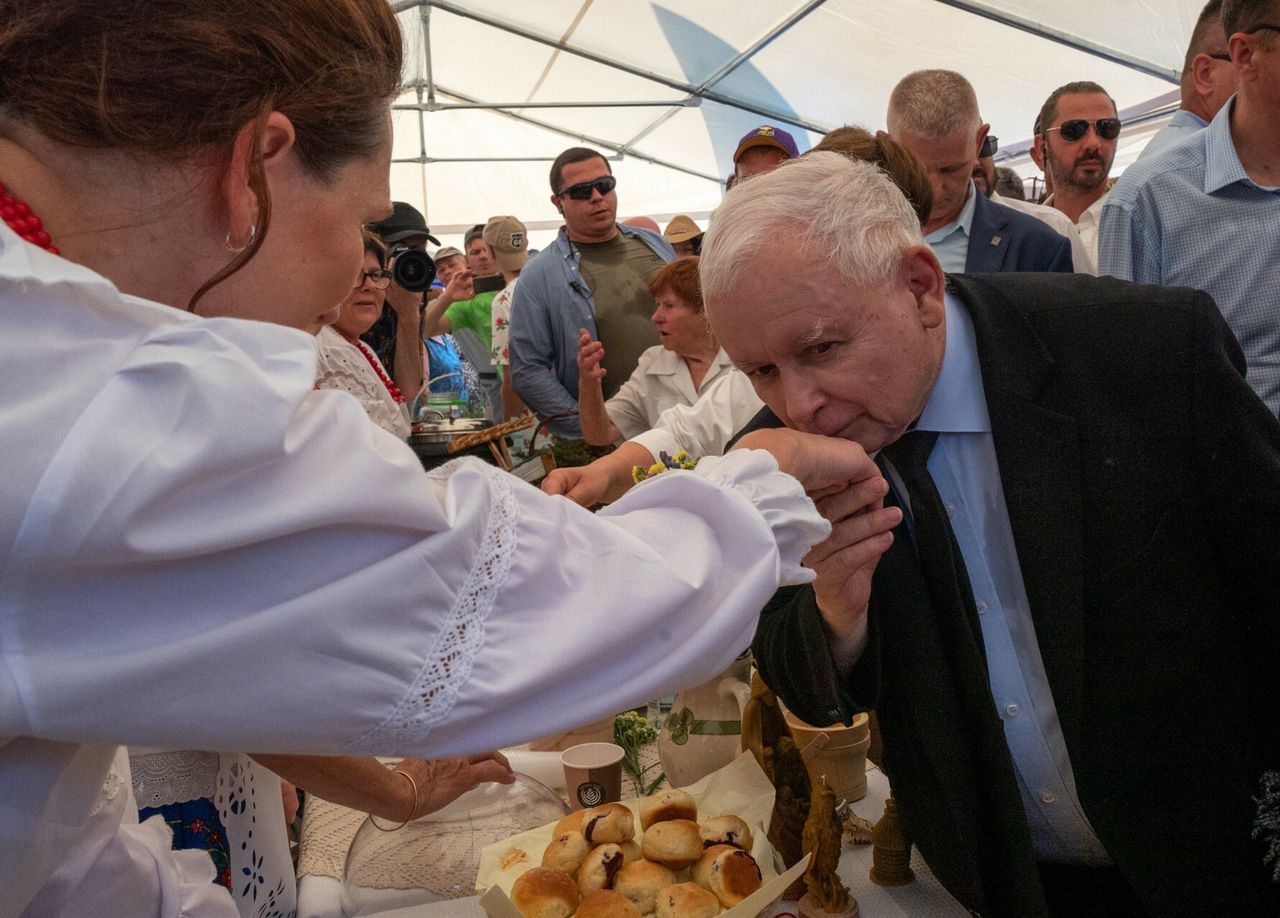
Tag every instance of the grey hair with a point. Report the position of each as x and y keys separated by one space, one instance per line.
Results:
x=932 y=103
x=848 y=209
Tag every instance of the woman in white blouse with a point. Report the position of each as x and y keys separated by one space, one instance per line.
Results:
x=345 y=362
x=207 y=553
x=676 y=372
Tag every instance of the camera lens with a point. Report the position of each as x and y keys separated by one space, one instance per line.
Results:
x=412 y=269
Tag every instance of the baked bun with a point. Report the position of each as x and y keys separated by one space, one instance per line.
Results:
x=605 y=903
x=686 y=900
x=731 y=873
x=570 y=823
x=725 y=830
x=544 y=892
x=599 y=868
x=566 y=851
x=630 y=851
x=611 y=823
x=641 y=881
x=675 y=843
x=672 y=803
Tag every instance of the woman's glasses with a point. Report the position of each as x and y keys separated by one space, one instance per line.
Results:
x=582 y=190
x=1073 y=130
x=381 y=279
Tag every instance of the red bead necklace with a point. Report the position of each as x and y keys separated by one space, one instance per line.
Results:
x=18 y=217
x=396 y=395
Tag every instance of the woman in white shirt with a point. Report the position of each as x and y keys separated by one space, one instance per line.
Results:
x=207 y=553
x=676 y=372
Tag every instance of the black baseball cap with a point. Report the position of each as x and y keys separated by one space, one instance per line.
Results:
x=405 y=222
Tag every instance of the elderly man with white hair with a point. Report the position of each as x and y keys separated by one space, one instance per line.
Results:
x=1059 y=598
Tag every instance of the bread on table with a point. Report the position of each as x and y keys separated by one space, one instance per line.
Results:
x=686 y=900
x=610 y=823
x=545 y=892
x=726 y=830
x=641 y=881
x=605 y=903
x=599 y=868
x=566 y=851
x=676 y=843
x=730 y=873
x=672 y=803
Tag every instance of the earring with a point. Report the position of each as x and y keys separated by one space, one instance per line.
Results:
x=237 y=249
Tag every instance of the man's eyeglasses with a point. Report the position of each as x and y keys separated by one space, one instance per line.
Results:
x=381 y=279
x=989 y=146
x=1073 y=130
x=582 y=190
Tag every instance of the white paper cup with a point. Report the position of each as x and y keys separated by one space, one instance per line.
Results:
x=592 y=774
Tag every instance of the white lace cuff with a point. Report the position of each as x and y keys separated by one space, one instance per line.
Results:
x=790 y=514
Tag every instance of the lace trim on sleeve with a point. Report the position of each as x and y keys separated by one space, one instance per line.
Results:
x=163 y=778
x=447 y=665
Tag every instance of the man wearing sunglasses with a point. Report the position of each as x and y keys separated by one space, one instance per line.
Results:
x=1076 y=137
x=1206 y=212
x=595 y=275
x=1208 y=81
x=934 y=114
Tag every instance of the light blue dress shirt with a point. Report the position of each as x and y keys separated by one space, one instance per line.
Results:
x=1192 y=217
x=951 y=242
x=964 y=469
x=1181 y=126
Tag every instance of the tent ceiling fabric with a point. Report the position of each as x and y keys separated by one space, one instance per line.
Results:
x=665 y=90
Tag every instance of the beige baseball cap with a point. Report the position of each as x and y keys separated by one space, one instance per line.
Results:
x=510 y=242
x=681 y=229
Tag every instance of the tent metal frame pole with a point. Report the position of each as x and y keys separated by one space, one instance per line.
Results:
x=679 y=85
x=450 y=106
x=728 y=68
x=1062 y=38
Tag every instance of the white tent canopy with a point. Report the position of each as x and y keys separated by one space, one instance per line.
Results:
x=495 y=90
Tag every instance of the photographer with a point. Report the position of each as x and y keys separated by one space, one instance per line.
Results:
x=395 y=337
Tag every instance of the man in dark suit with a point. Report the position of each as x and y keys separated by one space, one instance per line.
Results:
x=1060 y=596
x=934 y=114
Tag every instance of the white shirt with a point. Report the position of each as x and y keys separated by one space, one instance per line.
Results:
x=193 y=496
x=1082 y=260
x=661 y=381
x=706 y=426
x=1087 y=226
x=347 y=367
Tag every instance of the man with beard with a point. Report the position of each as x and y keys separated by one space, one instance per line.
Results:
x=1076 y=138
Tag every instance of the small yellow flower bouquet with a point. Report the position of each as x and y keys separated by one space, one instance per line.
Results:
x=680 y=460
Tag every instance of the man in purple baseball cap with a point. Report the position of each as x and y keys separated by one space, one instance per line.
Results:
x=761 y=150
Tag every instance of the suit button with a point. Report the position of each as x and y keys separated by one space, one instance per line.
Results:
x=1012 y=710
x=981 y=606
x=1047 y=796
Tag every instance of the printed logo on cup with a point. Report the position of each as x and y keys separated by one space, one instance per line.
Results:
x=590 y=793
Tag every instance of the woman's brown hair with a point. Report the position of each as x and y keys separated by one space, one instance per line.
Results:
x=895 y=160
x=178 y=79
x=681 y=278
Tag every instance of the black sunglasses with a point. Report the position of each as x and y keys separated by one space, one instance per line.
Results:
x=989 y=146
x=582 y=190
x=1073 y=130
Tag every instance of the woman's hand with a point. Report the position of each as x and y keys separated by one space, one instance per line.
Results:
x=441 y=781
x=590 y=358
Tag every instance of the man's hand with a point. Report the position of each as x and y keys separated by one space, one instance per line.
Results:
x=460 y=287
x=406 y=304
x=590 y=358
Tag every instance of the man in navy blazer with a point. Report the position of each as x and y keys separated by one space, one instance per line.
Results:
x=934 y=114
x=1075 y=673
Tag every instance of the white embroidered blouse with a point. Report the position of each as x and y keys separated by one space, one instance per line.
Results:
x=345 y=366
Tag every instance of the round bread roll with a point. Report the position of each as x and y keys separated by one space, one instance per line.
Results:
x=566 y=852
x=675 y=843
x=544 y=892
x=599 y=868
x=611 y=823
x=605 y=903
x=725 y=830
x=730 y=873
x=570 y=823
x=672 y=803
x=641 y=881
x=687 y=900
x=630 y=851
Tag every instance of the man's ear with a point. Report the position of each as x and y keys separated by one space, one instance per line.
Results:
x=555 y=202
x=923 y=276
x=983 y=131
x=1037 y=151
x=266 y=144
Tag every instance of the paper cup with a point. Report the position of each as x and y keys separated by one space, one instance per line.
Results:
x=592 y=774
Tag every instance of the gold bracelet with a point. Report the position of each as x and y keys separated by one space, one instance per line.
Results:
x=413 y=784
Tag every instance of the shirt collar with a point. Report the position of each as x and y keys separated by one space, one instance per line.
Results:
x=957 y=403
x=1222 y=164
x=963 y=220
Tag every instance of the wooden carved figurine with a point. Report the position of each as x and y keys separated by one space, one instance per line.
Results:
x=827 y=894
x=890 y=850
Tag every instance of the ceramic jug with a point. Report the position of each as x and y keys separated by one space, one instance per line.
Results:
x=703 y=731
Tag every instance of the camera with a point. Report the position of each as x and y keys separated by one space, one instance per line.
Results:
x=412 y=269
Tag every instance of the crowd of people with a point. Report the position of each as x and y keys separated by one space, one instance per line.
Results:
x=1004 y=472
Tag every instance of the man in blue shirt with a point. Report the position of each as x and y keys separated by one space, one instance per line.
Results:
x=1103 y=495
x=934 y=114
x=1206 y=212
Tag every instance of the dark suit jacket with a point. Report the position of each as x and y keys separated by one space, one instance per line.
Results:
x=1142 y=477
x=1003 y=239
